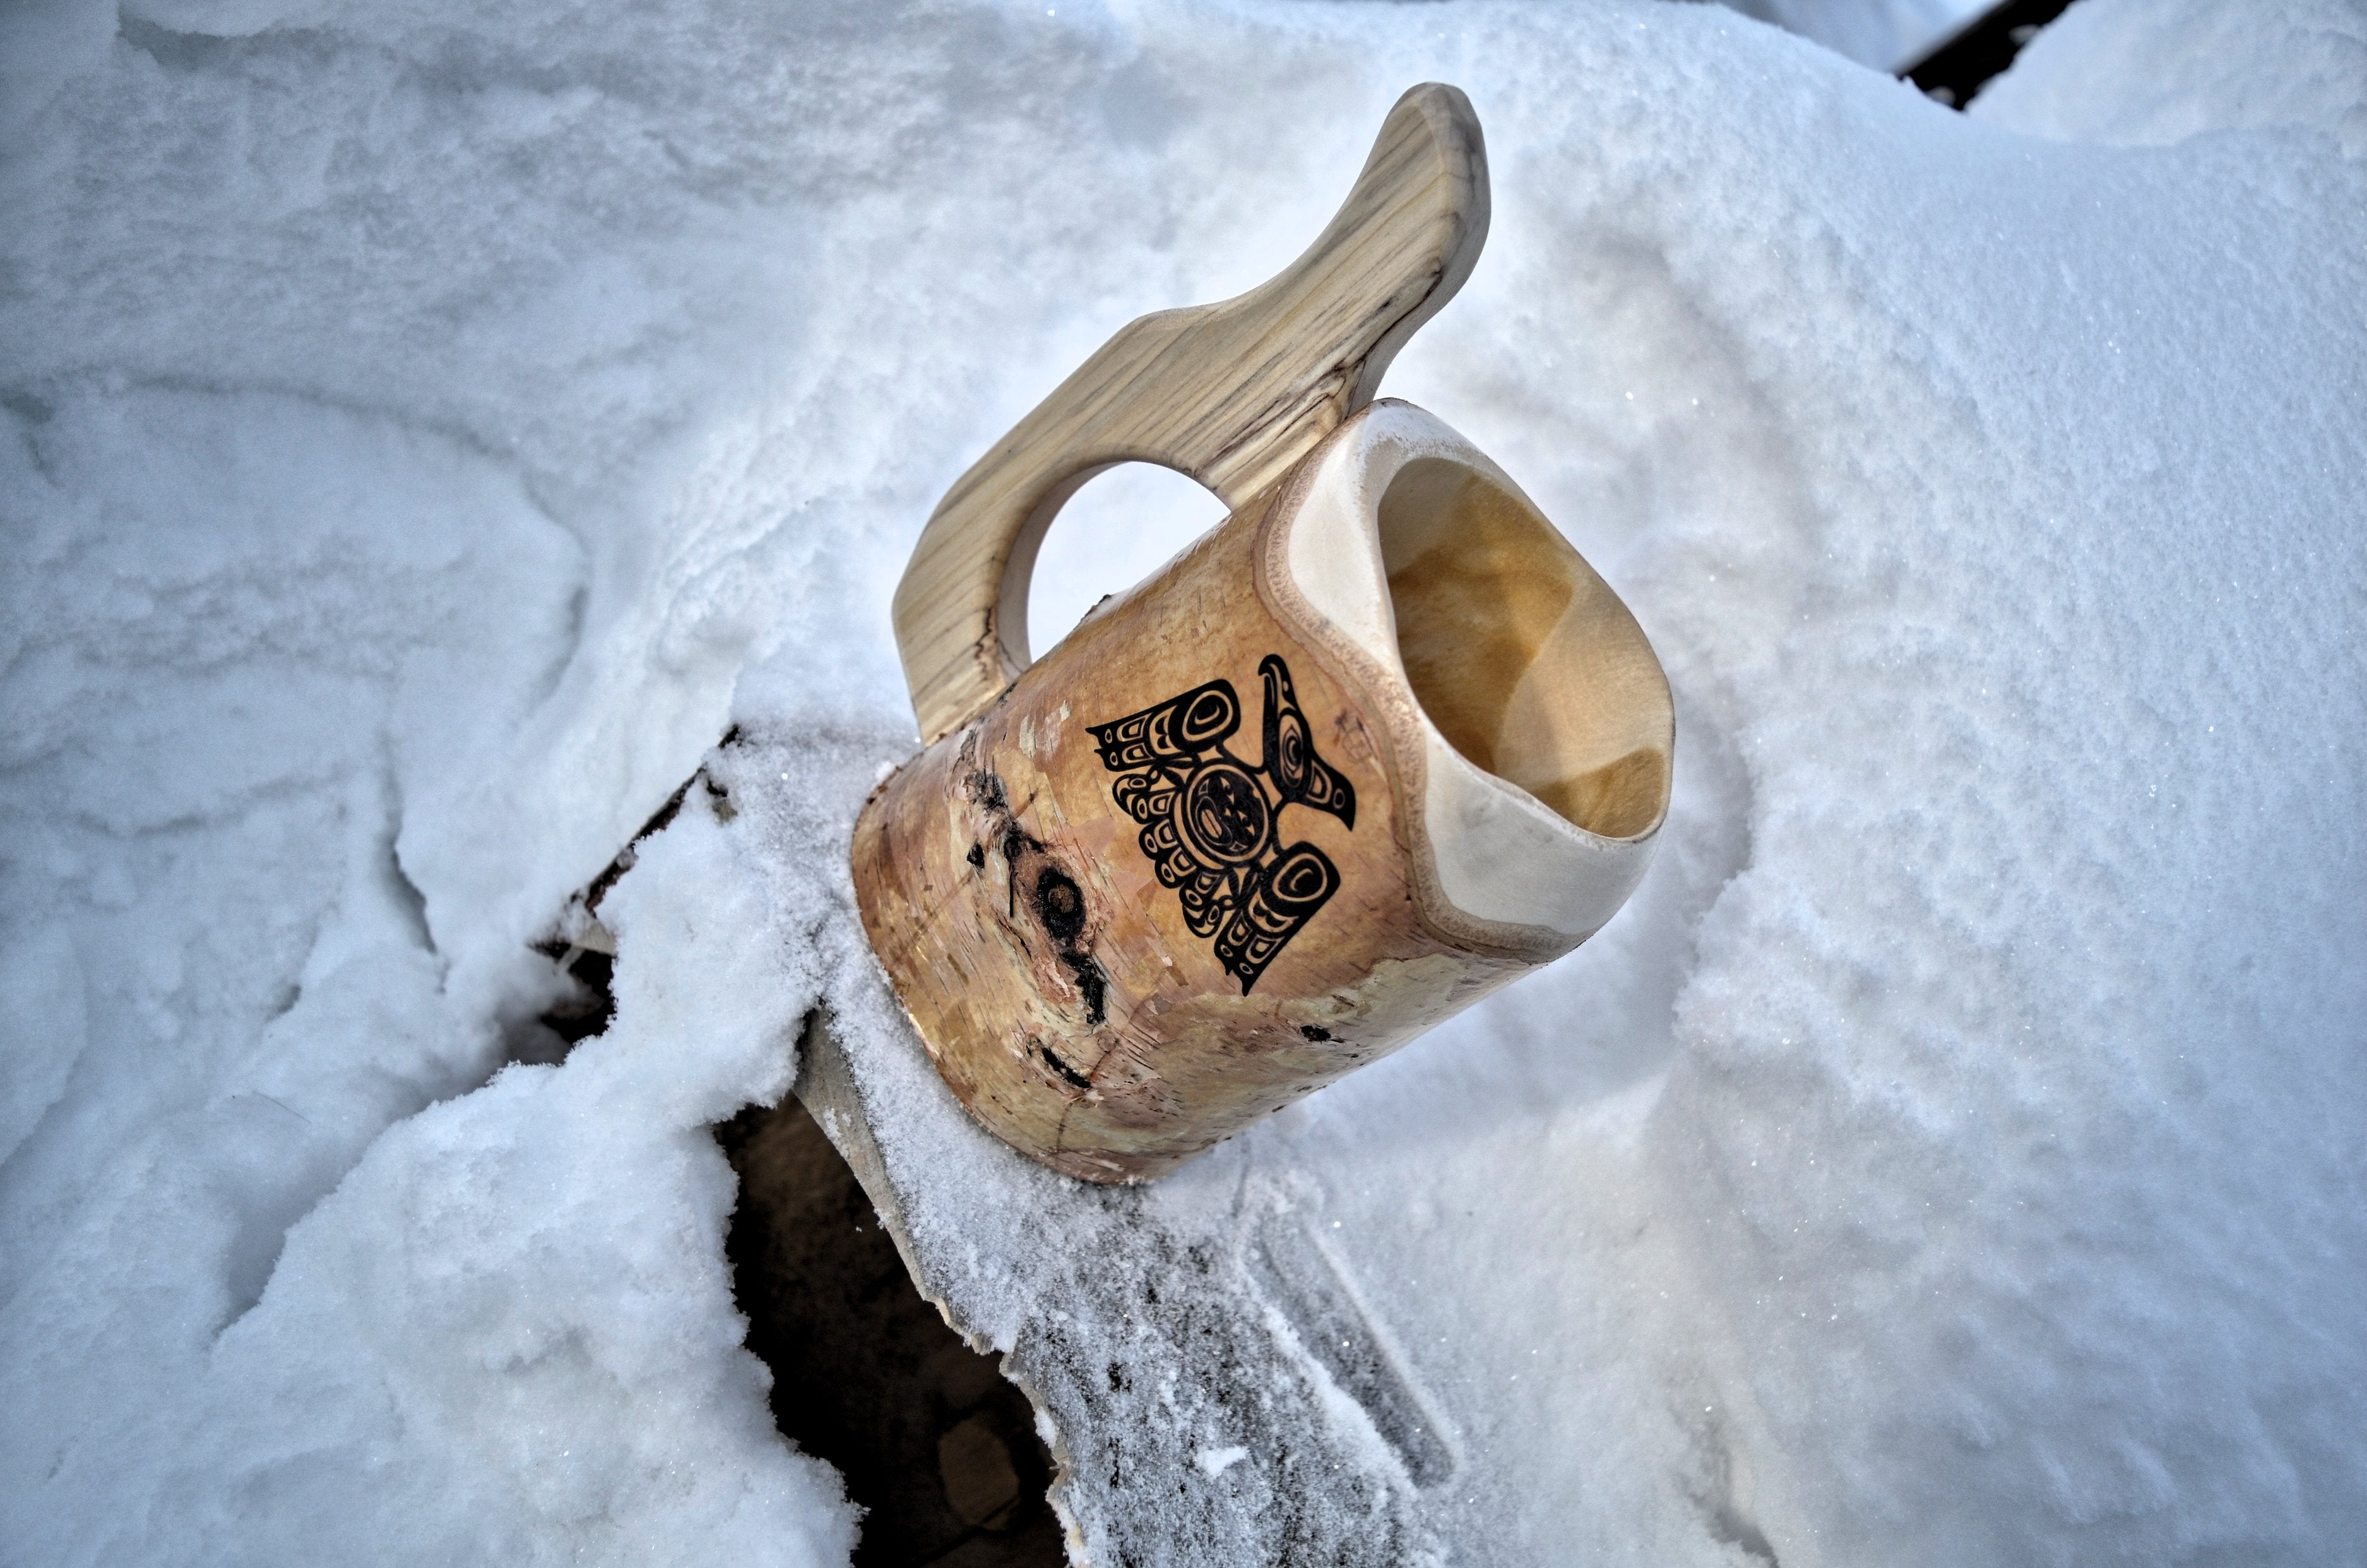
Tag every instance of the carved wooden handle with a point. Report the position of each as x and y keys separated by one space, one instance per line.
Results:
x=1232 y=394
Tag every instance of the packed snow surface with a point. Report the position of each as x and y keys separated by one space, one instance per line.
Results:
x=428 y=428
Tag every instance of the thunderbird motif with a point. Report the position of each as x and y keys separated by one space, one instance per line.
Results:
x=1211 y=823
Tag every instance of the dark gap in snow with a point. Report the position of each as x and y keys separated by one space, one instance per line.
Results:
x=585 y=1010
x=625 y=857
x=1963 y=63
x=589 y=900
x=937 y=1447
x=581 y=948
x=934 y=1445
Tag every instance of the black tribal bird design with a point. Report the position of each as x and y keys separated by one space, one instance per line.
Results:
x=1211 y=823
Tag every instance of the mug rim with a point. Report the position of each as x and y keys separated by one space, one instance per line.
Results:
x=1446 y=792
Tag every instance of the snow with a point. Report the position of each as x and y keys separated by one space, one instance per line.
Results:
x=2128 y=76
x=1888 y=35
x=427 y=430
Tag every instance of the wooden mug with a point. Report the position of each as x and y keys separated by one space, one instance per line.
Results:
x=1377 y=745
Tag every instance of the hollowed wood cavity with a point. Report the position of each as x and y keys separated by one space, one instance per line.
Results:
x=1522 y=657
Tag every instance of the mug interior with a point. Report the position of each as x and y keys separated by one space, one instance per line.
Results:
x=1520 y=655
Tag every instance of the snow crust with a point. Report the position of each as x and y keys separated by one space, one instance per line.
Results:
x=428 y=428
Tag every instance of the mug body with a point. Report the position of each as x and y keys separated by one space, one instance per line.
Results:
x=1376 y=745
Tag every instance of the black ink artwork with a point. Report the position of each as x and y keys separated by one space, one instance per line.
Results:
x=1211 y=823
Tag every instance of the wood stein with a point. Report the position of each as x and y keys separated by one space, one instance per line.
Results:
x=1377 y=745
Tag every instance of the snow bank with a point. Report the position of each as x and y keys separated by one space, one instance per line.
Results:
x=2151 y=76
x=1888 y=35
x=418 y=420
x=504 y=1334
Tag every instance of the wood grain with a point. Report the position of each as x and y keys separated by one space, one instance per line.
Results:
x=1048 y=963
x=1232 y=394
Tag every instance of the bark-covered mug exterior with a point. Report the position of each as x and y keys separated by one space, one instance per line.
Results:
x=1377 y=745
